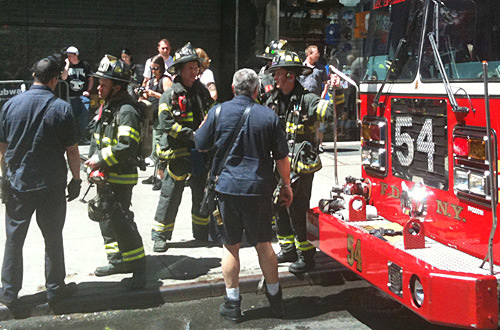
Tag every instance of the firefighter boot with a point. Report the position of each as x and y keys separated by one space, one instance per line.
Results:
x=110 y=269
x=287 y=253
x=138 y=279
x=277 y=304
x=304 y=263
x=231 y=310
x=289 y=256
x=200 y=233
x=160 y=246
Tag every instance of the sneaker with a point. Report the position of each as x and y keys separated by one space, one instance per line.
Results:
x=277 y=304
x=63 y=292
x=149 y=180
x=160 y=246
x=231 y=310
x=157 y=184
x=110 y=269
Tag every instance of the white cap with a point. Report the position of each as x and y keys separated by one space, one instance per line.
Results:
x=72 y=50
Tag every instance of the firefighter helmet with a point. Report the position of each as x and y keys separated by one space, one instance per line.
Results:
x=289 y=61
x=111 y=67
x=272 y=49
x=184 y=55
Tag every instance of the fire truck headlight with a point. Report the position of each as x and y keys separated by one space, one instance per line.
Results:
x=365 y=157
x=477 y=184
x=461 y=179
x=417 y=291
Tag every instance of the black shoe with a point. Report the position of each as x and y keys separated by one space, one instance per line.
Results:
x=231 y=310
x=110 y=269
x=157 y=184
x=290 y=256
x=277 y=304
x=302 y=265
x=160 y=246
x=63 y=292
x=149 y=180
x=9 y=303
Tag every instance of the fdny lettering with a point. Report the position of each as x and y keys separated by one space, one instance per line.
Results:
x=444 y=208
x=393 y=193
x=449 y=210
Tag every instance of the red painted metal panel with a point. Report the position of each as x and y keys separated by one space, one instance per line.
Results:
x=473 y=297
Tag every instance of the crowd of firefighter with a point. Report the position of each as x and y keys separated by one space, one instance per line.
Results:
x=171 y=104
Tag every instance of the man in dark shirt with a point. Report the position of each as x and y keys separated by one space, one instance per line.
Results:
x=36 y=130
x=245 y=185
x=80 y=84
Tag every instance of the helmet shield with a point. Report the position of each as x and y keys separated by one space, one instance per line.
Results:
x=111 y=67
x=289 y=61
x=184 y=55
x=272 y=49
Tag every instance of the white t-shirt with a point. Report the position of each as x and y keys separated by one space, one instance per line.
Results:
x=207 y=77
x=147 y=66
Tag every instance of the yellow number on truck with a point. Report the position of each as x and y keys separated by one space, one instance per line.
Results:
x=354 y=252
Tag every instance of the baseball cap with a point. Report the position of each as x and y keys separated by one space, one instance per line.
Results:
x=72 y=50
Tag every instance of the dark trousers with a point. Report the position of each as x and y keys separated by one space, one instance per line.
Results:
x=170 y=199
x=50 y=207
x=291 y=223
x=80 y=106
x=122 y=240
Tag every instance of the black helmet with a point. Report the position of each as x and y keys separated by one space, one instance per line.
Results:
x=289 y=61
x=184 y=55
x=272 y=49
x=111 y=67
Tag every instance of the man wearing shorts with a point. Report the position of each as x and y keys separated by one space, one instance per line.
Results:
x=245 y=185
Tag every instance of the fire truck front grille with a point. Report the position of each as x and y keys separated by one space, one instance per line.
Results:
x=395 y=283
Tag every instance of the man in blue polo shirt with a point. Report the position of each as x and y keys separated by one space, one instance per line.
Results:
x=36 y=131
x=246 y=184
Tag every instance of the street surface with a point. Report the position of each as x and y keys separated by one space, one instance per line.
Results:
x=347 y=305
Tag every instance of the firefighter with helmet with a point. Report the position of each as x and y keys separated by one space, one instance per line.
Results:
x=116 y=145
x=298 y=110
x=266 y=81
x=181 y=110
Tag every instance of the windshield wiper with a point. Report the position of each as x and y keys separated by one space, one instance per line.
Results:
x=439 y=63
x=402 y=42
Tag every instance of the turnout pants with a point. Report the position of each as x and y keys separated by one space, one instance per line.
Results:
x=291 y=223
x=172 y=188
x=122 y=240
x=50 y=207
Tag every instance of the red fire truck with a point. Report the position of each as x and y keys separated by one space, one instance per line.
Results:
x=421 y=222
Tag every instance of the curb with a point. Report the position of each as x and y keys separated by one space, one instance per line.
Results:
x=112 y=296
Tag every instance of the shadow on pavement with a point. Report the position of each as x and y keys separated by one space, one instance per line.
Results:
x=179 y=267
x=368 y=305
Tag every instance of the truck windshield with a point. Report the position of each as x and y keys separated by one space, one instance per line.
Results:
x=468 y=33
x=388 y=25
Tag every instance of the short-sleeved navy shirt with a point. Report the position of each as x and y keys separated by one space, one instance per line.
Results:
x=35 y=153
x=249 y=169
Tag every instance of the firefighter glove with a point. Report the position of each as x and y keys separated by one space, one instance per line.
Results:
x=74 y=187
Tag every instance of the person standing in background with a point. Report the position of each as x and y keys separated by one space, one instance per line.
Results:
x=80 y=84
x=206 y=75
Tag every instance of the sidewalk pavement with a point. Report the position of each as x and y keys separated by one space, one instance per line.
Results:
x=188 y=270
